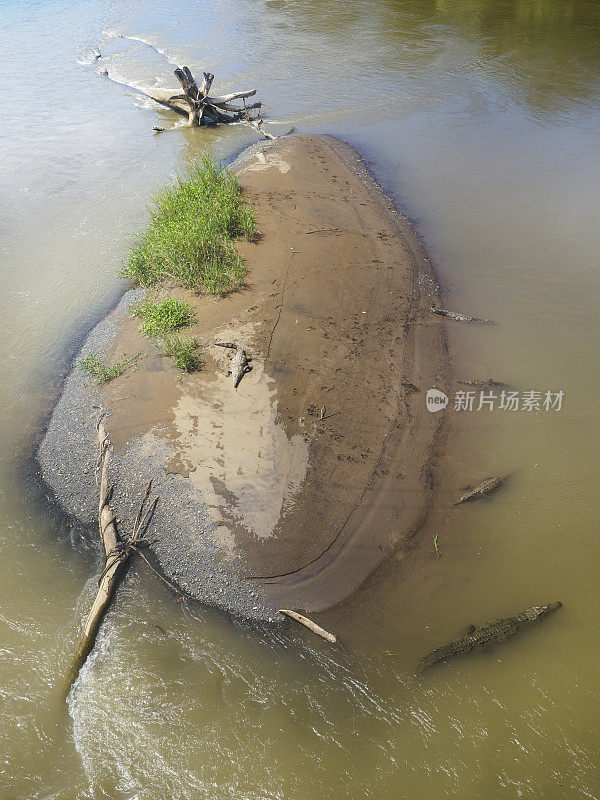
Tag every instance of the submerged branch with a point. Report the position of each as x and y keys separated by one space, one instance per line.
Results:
x=308 y=623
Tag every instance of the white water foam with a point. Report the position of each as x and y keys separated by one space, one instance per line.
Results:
x=170 y=57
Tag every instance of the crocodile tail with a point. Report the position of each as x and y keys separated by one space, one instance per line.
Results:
x=231 y=345
x=430 y=659
x=424 y=664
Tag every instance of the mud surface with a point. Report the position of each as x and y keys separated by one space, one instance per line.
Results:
x=289 y=491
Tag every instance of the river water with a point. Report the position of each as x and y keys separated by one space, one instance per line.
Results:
x=481 y=118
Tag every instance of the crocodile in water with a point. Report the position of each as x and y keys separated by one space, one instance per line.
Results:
x=489 y=382
x=442 y=312
x=489 y=634
x=488 y=485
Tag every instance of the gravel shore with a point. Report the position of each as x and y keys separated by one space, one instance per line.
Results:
x=68 y=455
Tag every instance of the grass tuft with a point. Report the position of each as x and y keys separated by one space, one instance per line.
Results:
x=190 y=236
x=183 y=352
x=96 y=368
x=161 y=317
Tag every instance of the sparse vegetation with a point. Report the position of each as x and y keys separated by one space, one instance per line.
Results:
x=190 y=236
x=162 y=317
x=102 y=372
x=183 y=352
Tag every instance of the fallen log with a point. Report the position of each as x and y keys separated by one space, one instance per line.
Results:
x=198 y=105
x=227 y=98
x=116 y=555
x=194 y=96
x=308 y=623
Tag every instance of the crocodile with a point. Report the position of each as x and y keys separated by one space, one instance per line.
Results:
x=442 y=312
x=497 y=631
x=488 y=485
x=489 y=382
x=240 y=362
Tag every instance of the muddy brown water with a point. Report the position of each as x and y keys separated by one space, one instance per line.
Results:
x=481 y=119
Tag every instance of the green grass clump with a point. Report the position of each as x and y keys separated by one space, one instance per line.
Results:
x=190 y=236
x=183 y=352
x=161 y=317
x=103 y=373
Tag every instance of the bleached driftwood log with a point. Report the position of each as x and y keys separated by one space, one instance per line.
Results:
x=308 y=623
x=198 y=105
x=116 y=555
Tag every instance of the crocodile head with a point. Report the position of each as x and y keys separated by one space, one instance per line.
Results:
x=539 y=612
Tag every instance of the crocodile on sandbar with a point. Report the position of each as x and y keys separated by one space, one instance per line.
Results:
x=240 y=362
x=442 y=312
x=497 y=631
x=489 y=382
x=488 y=485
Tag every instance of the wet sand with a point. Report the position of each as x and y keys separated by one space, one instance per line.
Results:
x=291 y=490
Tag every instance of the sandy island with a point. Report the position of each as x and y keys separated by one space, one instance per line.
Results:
x=291 y=490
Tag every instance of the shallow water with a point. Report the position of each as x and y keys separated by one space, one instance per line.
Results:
x=481 y=118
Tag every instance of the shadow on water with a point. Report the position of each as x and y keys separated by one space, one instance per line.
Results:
x=543 y=54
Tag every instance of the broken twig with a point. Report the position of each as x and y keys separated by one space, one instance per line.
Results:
x=312 y=626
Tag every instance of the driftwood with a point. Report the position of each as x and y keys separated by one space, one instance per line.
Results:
x=116 y=556
x=199 y=106
x=257 y=125
x=308 y=623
